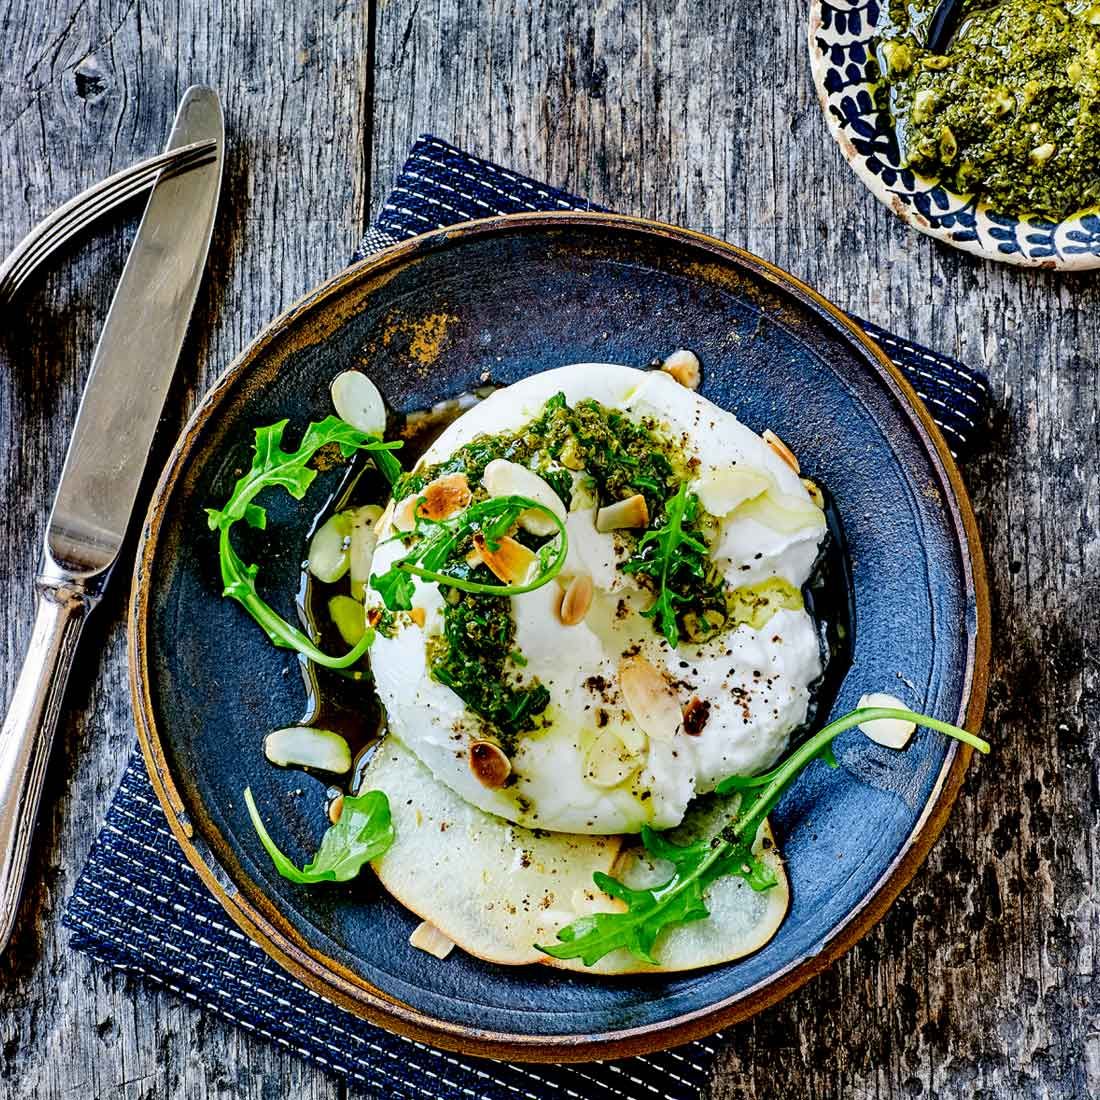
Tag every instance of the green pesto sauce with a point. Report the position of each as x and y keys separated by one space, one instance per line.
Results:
x=475 y=657
x=1011 y=113
x=622 y=456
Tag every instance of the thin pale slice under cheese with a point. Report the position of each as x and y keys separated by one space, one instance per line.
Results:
x=494 y=888
x=498 y=889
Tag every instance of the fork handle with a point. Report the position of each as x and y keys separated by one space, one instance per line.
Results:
x=28 y=729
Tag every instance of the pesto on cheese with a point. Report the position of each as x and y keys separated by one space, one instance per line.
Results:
x=1011 y=112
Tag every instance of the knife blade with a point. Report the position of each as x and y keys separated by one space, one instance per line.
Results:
x=136 y=355
x=131 y=371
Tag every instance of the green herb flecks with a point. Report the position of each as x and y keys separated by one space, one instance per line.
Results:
x=364 y=832
x=674 y=556
x=271 y=466
x=439 y=552
x=681 y=898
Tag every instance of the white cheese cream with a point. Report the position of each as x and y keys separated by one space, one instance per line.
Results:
x=590 y=767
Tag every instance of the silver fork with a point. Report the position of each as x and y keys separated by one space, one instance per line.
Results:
x=79 y=212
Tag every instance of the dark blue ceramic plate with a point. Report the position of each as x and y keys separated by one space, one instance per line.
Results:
x=508 y=297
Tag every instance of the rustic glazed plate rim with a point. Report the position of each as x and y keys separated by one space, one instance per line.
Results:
x=994 y=232
x=263 y=924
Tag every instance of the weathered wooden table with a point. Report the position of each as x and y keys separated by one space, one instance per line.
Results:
x=981 y=981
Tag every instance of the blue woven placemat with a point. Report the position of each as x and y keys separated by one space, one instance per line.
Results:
x=140 y=907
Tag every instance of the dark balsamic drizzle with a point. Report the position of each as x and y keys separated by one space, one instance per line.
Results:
x=344 y=700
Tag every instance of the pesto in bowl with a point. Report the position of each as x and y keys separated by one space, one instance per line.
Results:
x=1011 y=113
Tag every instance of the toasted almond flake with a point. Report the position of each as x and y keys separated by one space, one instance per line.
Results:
x=418 y=615
x=631 y=512
x=336 y=809
x=815 y=492
x=445 y=497
x=781 y=449
x=724 y=488
x=893 y=733
x=683 y=365
x=385 y=521
x=489 y=764
x=426 y=937
x=608 y=762
x=401 y=518
x=503 y=478
x=650 y=698
x=510 y=562
x=576 y=600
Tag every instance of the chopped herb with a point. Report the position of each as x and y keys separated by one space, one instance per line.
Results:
x=681 y=898
x=364 y=832
x=271 y=465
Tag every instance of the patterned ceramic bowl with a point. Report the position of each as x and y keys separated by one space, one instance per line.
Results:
x=841 y=55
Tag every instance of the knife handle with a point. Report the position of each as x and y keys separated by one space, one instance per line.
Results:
x=27 y=733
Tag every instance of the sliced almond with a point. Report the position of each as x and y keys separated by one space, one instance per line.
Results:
x=426 y=937
x=419 y=616
x=503 y=478
x=631 y=512
x=489 y=764
x=893 y=733
x=349 y=618
x=650 y=699
x=439 y=499
x=385 y=521
x=781 y=449
x=815 y=492
x=510 y=562
x=725 y=488
x=361 y=546
x=308 y=747
x=683 y=365
x=357 y=400
x=608 y=762
x=402 y=517
x=445 y=497
x=576 y=600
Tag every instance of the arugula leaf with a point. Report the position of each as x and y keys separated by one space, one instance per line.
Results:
x=680 y=899
x=441 y=542
x=673 y=555
x=272 y=465
x=364 y=832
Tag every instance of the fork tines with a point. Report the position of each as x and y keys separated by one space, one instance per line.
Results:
x=81 y=211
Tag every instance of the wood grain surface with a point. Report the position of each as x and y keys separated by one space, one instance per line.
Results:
x=981 y=982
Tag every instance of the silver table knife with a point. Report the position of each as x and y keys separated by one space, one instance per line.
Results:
x=129 y=378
